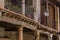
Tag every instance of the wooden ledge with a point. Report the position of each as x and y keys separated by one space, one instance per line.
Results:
x=31 y=20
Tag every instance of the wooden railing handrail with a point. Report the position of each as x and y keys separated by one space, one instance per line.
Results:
x=7 y=10
x=40 y=25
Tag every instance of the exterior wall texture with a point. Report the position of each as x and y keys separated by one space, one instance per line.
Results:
x=2 y=3
x=12 y=35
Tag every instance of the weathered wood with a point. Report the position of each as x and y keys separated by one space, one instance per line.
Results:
x=18 y=19
x=16 y=22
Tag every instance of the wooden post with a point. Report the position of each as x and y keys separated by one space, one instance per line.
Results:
x=20 y=31
x=37 y=35
x=58 y=24
x=57 y=17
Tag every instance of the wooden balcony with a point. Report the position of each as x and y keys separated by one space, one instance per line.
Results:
x=18 y=19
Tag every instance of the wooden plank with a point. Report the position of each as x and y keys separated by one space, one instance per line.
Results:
x=16 y=22
x=9 y=20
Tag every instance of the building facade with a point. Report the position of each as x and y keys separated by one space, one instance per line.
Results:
x=29 y=20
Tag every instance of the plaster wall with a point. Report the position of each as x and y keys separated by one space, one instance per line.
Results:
x=1 y=3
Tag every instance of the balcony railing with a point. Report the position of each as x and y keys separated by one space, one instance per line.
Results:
x=30 y=23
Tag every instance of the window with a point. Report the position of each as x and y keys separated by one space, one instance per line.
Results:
x=47 y=20
x=14 y=5
x=29 y=9
x=43 y=8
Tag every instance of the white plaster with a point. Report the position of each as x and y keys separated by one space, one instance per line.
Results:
x=2 y=3
x=37 y=13
x=23 y=7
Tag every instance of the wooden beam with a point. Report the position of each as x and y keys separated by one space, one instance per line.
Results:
x=27 y=19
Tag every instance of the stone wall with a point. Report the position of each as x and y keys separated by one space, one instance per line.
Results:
x=12 y=35
x=28 y=37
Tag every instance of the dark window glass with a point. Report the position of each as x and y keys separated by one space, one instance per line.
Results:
x=14 y=5
x=43 y=8
x=29 y=9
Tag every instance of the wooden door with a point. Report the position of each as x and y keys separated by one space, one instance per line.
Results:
x=51 y=17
